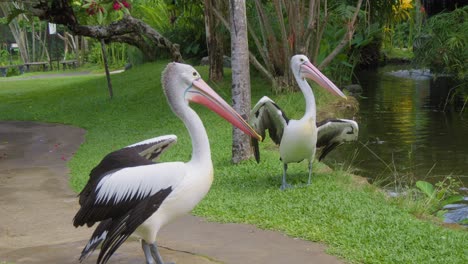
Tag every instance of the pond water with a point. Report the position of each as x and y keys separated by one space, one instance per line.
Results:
x=405 y=129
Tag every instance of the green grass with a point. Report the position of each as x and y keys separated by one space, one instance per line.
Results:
x=398 y=54
x=358 y=223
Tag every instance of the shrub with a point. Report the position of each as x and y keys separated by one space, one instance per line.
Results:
x=442 y=44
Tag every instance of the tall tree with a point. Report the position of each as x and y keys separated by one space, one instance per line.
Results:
x=240 y=77
x=214 y=40
x=18 y=33
x=298 y=26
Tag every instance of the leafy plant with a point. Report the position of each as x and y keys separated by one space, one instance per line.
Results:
x=442 y=193
x=12 y=72
x=180 y=21
x=4 y=55
x=443 y=42
x=442 y=47
x=116 y=54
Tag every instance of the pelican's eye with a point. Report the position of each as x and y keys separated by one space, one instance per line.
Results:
x=302 y=60
x=195 y=74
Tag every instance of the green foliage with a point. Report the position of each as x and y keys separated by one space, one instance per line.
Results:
x=443 y=44
x=400 y=27
x=13 y=71
x=180 y=21
x=4 y=57
x=117 y=54
x=155 y=13
x=443 y=193
x=426 y=187
x=394 y=53
x=94 y=55
x=15 y=12
x=342 y=68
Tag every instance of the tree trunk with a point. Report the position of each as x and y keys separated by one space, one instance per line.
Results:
x=16 y=31
x=83 y=47
x=106 y=66
x=262 y=70
x=77 y=49
x=240 y=77
x=346 y=38
x=33 y=40
x=213 y=41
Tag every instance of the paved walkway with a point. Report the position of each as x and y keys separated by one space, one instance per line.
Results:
x=37 y=208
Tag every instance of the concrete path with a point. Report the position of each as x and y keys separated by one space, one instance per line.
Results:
x=37 y=208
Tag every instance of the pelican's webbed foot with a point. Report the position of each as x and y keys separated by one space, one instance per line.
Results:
x=285 y=186
x=152 y=253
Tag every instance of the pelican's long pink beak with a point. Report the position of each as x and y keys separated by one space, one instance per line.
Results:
x=311 y=72
x=201 y=93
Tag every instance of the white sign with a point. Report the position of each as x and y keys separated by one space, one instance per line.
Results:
x=52 y=28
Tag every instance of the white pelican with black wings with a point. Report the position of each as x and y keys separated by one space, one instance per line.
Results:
x=335 y=132
x=296 y=138
x=127 y=193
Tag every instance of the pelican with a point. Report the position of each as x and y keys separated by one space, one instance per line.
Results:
x=296 y=138
x=128 y=193
x=332 y=133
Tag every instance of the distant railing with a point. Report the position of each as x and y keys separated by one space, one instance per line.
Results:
x=69 y=63
x=43 y=65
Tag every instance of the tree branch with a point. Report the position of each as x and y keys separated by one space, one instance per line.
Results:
x=252 y=57
x=346 y=38
x=128 y=29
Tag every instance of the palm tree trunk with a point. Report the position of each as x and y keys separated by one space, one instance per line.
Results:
x=240 y=77
x=213 y=41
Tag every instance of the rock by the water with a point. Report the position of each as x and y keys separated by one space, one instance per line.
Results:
x=205 y=61
x=128 y=66
x=353 y=89
x=226 y=61
x=456 y=215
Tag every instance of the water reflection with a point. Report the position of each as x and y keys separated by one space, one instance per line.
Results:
x=402 y=122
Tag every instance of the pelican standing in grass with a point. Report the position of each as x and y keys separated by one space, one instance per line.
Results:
x=129 y=194
x=296 y=138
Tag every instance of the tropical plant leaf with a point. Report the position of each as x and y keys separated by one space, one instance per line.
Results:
x=426 y=187
x=14 y=13
x=452 y=199
x=441 y=214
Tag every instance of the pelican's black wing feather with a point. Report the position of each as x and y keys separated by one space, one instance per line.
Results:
x=138 y=154
x=267 y=115
x=332 y=133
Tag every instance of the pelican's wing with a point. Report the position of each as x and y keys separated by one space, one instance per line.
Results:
x=331 y=133
x=267 y=115
x=152 y=149
x=122 y=200
x=142 y=153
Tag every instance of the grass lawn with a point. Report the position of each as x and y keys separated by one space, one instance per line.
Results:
x=357 y=222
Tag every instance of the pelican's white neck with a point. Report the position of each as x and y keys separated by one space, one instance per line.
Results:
x=200 y=143
x=309 y=97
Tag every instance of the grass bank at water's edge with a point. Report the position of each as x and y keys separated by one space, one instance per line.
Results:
x=357 y=222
